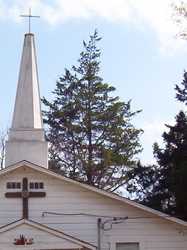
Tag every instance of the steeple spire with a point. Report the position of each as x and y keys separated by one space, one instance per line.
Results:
x=27 y=111
x=26 y=137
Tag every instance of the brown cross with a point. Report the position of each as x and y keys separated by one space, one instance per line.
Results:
x=25 y=195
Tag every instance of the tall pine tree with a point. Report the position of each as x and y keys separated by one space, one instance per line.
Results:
x=163 y=186
x=181 y=91
x=89 y=129
x=144 y=182
x=173 y=163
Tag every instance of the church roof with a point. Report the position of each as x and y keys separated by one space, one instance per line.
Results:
x=124 y=200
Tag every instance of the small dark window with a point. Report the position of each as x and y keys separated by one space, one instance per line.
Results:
x=13 y=185
x=31 y=185
x=8 y=185
x=127 y=246
x=41 y=185
x=36 y=185
x=18 y=185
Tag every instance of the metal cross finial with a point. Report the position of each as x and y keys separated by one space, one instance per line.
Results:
x=29 y=16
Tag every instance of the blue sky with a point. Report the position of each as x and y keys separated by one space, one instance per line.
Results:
x=141 y=56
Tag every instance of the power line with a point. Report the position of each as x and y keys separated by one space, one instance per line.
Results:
x=104 y=216
x=77 y=214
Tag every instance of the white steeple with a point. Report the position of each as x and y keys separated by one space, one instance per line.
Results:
x=26 y=139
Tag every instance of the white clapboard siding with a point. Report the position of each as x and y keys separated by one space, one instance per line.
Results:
x=41 y=239
x=63 y=197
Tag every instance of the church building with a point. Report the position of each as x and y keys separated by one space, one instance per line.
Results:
x=42 y=210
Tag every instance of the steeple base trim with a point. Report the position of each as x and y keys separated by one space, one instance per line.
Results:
x=32 y=151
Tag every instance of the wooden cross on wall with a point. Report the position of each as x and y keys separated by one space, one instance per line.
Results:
x=25 y=195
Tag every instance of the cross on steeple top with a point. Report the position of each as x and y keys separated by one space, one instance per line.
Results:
x=29 y=16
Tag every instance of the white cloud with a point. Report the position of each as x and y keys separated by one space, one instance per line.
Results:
x=153 y=131
x=142 y=13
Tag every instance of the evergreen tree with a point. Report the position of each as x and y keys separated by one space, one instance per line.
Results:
x=173 y=169
x=163 y=186
x=181 y=91
x=90 y=132
x=143 y=179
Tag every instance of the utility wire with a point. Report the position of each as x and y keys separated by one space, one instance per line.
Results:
x=79 y=214
x=104 y=216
